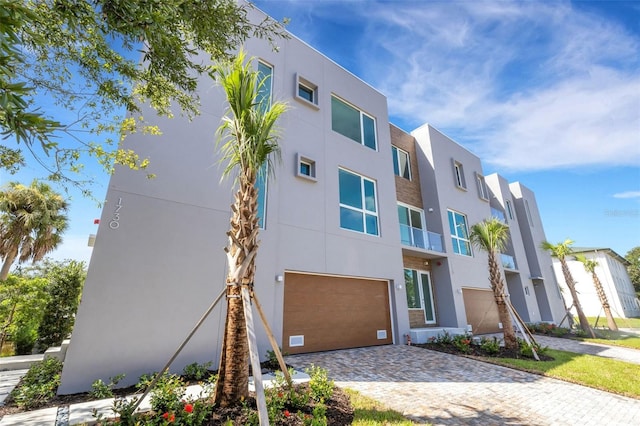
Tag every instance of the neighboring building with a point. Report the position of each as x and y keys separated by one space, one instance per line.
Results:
x=612 y=273
x=350 y=256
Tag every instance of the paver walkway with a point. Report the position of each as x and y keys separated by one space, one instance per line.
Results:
x=443 y=389
x=615 y=352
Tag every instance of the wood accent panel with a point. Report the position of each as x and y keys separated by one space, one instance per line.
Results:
x=334 y=312
x=416 y=319
x=407 y=191
x=417 y=263
x=482 y=310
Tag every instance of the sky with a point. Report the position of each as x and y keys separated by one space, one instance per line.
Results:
x=546 y=93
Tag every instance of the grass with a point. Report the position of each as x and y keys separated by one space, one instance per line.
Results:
x=369 y=412
x=621 y=322
x=597 y=372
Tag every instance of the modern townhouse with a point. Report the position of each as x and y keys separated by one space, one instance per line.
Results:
x=350 y=255
x=611 y=270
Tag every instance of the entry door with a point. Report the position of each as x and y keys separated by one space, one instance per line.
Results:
x=426 y=294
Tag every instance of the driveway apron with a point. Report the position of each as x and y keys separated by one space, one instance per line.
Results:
x=442 y=389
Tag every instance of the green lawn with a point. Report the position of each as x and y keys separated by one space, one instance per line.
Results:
x=602 y=373
x=621 y=322
x=369 y=412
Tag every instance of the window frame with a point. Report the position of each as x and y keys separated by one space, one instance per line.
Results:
x=303 y=159
x=456 y=239
x=362 y=210
x=310 y=87
x=410 y=225
x=417 y=277
x=483 y=189
x=458 y=175
x=362 y=114
x=395 y=151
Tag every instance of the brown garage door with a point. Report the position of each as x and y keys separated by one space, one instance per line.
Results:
x=482 y=311
x=324 y=313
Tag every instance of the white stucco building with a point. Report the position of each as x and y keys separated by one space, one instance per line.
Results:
x=612 y=272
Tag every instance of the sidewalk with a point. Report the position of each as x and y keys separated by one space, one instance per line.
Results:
x=607 y=351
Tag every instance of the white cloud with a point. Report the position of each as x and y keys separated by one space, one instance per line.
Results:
x=628 y=194
x=526 y=86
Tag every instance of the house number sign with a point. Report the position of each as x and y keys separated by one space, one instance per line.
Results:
x=115 y=220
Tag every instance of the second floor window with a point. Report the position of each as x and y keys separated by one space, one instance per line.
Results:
x=411 y=226
x=358 y=204
x=459 y=233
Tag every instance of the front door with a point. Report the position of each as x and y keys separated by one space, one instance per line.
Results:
x=420 y=294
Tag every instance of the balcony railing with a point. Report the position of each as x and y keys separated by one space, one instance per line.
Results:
x=416 y=237
x=498 y=214
x=508 y=261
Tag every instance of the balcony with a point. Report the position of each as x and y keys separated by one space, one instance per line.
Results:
x=416 y=237
x=498 y=214
x=508 y=262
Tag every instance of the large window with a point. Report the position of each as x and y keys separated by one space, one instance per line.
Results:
x=411 y=226
x=265 y=74
x=353 y=123
x=459 y=233
x=401 y=163
x=358 y=205
x=419 y=293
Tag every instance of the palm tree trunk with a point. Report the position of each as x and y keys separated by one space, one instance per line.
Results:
x=604 y=302
x=584 y=323
x=233 y=374
x=497 y=285
x=6 y=266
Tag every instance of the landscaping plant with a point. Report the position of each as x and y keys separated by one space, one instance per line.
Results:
x=39 y=385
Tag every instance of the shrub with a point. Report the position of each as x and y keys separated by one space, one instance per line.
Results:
x=197 y=371
x=321 y=386
x=462 y=342
x=490 y=346
x=39 y=385
x=444 y=338
x=102 y=390
x=527 y=349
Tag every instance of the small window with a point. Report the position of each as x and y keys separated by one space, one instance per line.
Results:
x=401 y=163
x=483 y=191
x=458 y=174
x=305 y=167
x=306 y=92
x=526 y=290
x=353 y=123
x=358 y=204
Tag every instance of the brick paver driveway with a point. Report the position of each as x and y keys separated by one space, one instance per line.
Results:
x=433 y=387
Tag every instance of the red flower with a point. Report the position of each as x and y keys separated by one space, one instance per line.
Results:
x=287 y=413
x=165 y=416
x=170 y=417
x=188 y=408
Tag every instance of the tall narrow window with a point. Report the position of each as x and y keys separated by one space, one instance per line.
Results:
x=458 y=175
x=353 y=123
x=401 y=163
x=528 y=212
x=483 y=191
x=459 y=233
x=358 y=204
x=265 y=75
x=509 y=211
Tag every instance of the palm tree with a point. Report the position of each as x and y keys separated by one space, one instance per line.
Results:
x=561 y=251
x=247 y=137
x=590 y=266
x=32 y=221
x=491 y=235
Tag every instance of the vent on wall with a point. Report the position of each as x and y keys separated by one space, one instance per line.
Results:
x=296 y=341
x=382 y=334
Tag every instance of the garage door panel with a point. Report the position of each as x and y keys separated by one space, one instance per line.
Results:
x=482 y=311
x=334 y=312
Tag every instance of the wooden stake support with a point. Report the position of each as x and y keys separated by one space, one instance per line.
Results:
x=526 y=334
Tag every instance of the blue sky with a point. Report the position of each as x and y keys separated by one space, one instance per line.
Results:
x=546 y=93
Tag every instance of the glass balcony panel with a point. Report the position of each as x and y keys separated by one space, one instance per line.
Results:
x=420 y=238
